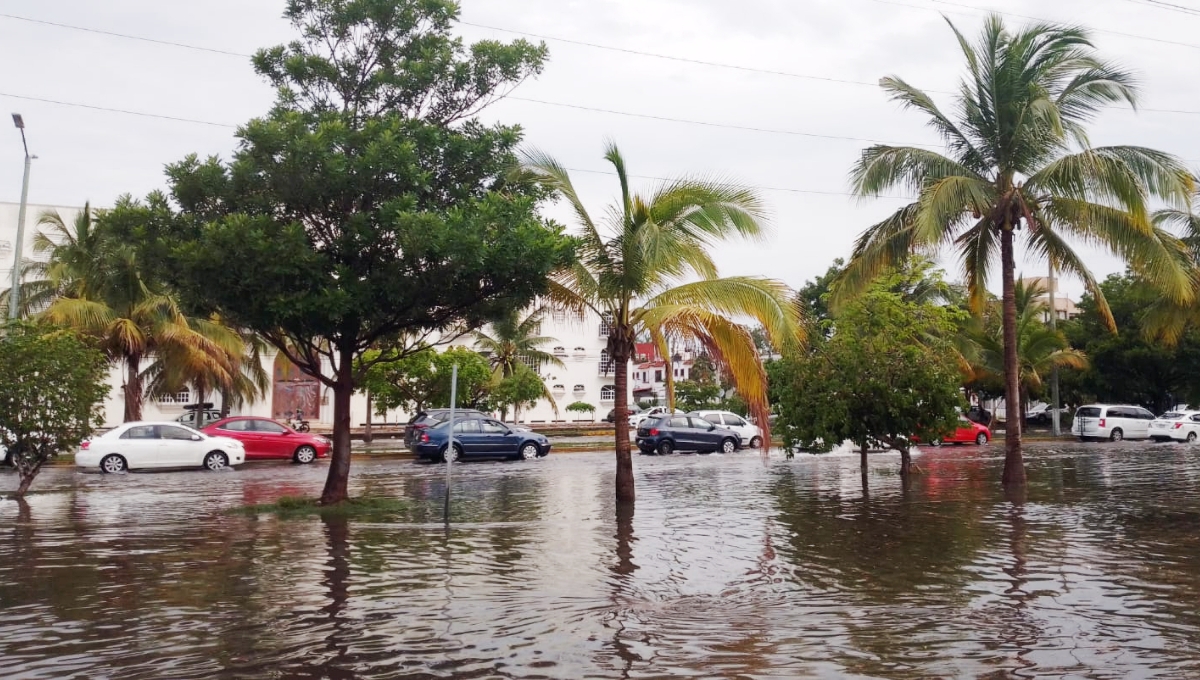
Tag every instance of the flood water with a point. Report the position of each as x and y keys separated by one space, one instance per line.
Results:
x=731 y=566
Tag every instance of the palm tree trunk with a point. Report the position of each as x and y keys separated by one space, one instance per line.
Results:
x=625 y=488
x=133 y=388
x=1014 y=464
x=336 y=484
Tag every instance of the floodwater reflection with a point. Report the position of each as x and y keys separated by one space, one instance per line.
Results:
x=726 y=567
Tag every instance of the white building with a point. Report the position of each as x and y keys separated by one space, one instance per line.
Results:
x=586 y=374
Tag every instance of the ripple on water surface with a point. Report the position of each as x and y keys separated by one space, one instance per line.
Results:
x=731 y=566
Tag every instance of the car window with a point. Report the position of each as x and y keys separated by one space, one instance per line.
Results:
x=1196 y=418
x=467 y=427
x=268 y=426
x=1172 y=415
x=140 y=432
x=236 y=426
x=493 y=427
x=1144 y=414
x=734 y=421
x=176 y=433
x=1088 y=412
x=714 y=418
x=678 y=422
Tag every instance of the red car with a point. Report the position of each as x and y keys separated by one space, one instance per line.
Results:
x=968 y=432
x=266 y=439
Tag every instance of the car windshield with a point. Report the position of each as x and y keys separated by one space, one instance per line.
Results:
x=1088 y=412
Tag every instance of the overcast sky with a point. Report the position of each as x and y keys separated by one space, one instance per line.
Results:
x=90 y=155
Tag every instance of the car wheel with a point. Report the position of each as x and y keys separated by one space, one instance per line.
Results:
x=452 y=455
x=756 y=443
x=981 y=439
x=305 y=455
x=1117 y=435
x=1191 y=438
x=529 y=451
x=113 y=463
x=665 y=448
x=728 y=445
x=216 y=460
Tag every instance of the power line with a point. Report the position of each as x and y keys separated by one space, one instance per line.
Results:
x=760 y=188
x=125 y=35
x=745 y=128
x=1169 y=6
x=111 y=110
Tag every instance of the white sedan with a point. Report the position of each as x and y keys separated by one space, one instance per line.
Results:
x=158 y=445
x=1183 y=426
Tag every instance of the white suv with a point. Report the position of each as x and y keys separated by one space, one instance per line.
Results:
x=1101 y=421
x=749 y=433
x=1183 y=426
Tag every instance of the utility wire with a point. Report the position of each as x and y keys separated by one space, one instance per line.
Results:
x=1169 y=6
x=114 y=34
x=124 y=111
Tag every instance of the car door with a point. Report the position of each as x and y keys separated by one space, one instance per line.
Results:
x=738 y=424
x=275 y=440
x=178 y=448
x=680 y=429
x=1192 y=424
x=1145 y=417
x=241 y=430
x=469 y=434
x=965 y=431
x=501 y=439
x=140 y=447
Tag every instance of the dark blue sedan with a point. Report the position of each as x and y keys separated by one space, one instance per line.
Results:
x=684 y=433
x=476 y=437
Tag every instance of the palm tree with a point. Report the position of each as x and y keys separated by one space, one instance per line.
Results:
x=1039 y=348
x=92 y=283
x=636 y=269
x=235 y=371
x=515 y=341
x=1018 y=161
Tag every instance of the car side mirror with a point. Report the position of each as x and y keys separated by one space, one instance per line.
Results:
x=196 y=437
x=711 y=428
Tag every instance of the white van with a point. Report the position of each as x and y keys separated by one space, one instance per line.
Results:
x=1101 y=421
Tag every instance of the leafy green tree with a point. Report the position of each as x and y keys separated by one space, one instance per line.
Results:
x=885 y=376
x=632 y=271
x=694 y=395
x=49 y=389
x=1132 y=365
x=581 y=407
x=421 y=380
x=369 y=209
x=1018 y=162
x=512 y=342
x=518 y=391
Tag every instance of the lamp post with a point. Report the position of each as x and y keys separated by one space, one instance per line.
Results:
x=14 y=296
x=1054 y=415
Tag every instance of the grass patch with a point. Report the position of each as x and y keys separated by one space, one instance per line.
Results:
x=364 y=507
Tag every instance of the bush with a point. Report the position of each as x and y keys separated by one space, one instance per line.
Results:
x=581 y=407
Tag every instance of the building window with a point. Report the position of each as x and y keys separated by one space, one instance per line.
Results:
x=181 y=397
x=560 y=351
x=559 y=388
x=606 y=320
x=531 y=362
x=606 y=363
x=580 y=389
x=658 y=376
x=608 y=393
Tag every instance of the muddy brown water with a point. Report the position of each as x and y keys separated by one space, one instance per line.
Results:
x=730 y=566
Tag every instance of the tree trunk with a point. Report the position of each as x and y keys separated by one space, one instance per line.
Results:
x=905 y=463
x=133 y=388
x=26 y=479
x=336 y=484
x=367 y=434
x=1014 y=464
x=862 y=454
x=625 y=490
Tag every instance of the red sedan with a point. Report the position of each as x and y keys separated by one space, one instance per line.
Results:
x=967 y=432
x=266 y=439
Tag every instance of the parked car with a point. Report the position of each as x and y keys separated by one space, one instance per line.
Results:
x=431 y=417
x=479 y=437
x=1114 y=422
x=635 y=420
x=1042 y=414
x=265 y=439
x=978 y=414
x=199 y=419
x=1183 y=426
x=667 y=434
x=612 y=414
x=158 y=445
x=748 y=433
x=967 y=432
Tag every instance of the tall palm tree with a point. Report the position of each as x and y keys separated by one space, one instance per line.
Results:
x=235 y=371
x=638 y=270
x=1019 y=163
x=93 y=283
x=1039 y=348
x=514 y=341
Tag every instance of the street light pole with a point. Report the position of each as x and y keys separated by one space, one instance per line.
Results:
x=14 y=296
x=1054 y=414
